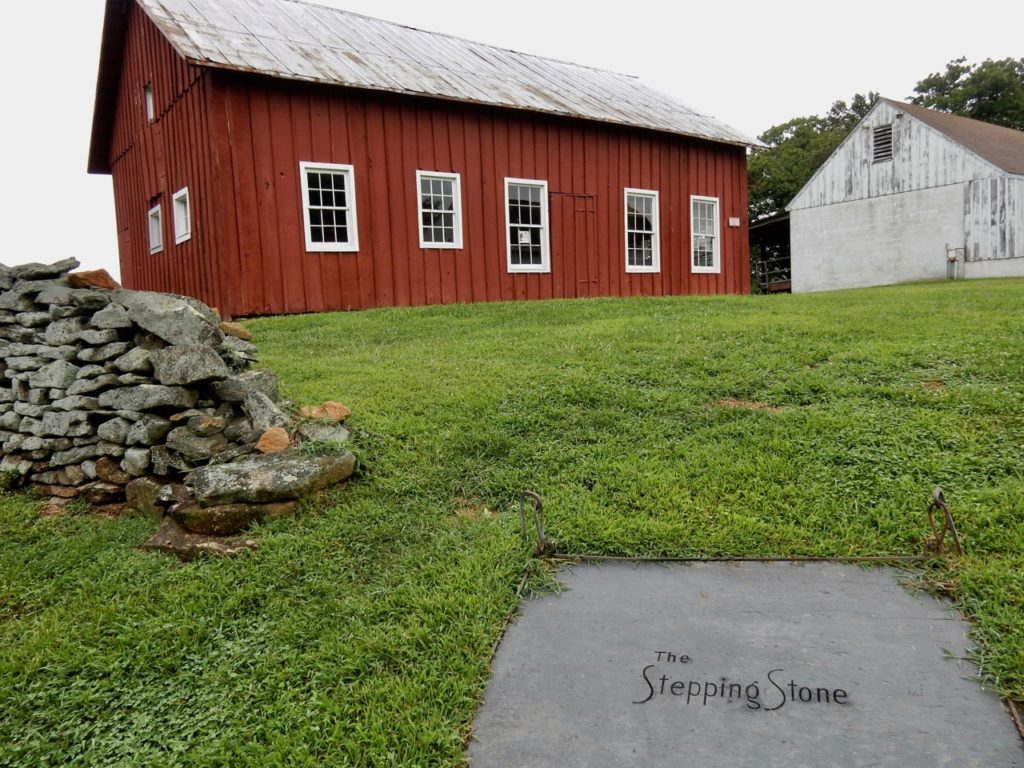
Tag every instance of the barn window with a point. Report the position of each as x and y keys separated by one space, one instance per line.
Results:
x=526 y=225
x=705 y=246
x=156 y=229
x=329 y=207
x=147 y=93
x=881 y=143
x=643 y=253
x=182 y=216
x=440 y=209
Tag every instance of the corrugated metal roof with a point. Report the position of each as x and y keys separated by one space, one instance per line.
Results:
x=302 y=41
x=1003 y=147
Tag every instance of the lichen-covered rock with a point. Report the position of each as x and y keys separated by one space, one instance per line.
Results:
x=136 y=461
x=269 y=478
x=141 y=495
x=115 y=430
x=206 y=425
x=235 y=388
x=175 y=319
x=188 y=364
x=135 y=360
x=111 y=316
x=263 y=412
x=59 y=374
x=104 y=353
x=319 y=432
x=147 y=397
x=35 y=271
x=61 y=332
x=85 y=386
x=193 y=447
x=149 y=430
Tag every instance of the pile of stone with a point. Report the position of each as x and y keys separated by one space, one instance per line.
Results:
x=104 y=389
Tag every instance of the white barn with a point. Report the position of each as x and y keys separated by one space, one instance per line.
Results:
x=909 y=190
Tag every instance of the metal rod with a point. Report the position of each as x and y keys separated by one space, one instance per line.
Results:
x=749 y=559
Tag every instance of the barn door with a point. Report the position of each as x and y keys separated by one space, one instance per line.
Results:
x=574 y=244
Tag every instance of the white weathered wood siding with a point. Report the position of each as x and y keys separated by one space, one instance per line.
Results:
x=859 y=223
x=994 y=220
x=922 y=158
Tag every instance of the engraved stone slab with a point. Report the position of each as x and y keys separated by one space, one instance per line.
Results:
x=738 y=664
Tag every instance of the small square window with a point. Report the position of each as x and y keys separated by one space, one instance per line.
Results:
x=182 y=216
x=150 y=103
x=156 y=229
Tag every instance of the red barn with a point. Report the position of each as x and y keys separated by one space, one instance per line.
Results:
x=271 y=156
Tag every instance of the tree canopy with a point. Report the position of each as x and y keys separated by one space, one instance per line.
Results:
x=992 y=91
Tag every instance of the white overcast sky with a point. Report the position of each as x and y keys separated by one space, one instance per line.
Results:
x=752 y=65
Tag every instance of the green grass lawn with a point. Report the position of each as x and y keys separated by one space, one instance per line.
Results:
x=361 y=632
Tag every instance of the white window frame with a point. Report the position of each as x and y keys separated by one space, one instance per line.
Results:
x=182 y=216
x=147 y=95
x=716 y=254
x=656 y=222
x=456 y=181
x=545 y=238
x=155 y=218
x=350 y=192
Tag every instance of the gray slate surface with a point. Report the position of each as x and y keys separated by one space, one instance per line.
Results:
x=571 y=667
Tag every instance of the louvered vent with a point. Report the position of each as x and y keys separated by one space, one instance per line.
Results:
x=881 y=144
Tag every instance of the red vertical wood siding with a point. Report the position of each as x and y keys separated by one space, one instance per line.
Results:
x=237 y=140
x=151 y=160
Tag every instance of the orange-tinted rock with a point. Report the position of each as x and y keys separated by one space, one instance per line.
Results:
x=274 y=440
x=93 y=278
x=237 y=330
x=330 y=410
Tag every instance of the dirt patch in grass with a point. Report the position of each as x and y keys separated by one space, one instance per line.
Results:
x=932 y=385
x=747 y=405
x=470 y=509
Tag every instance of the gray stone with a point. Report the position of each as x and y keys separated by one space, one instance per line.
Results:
x=106 y=352
x=61 y=332
x=24 y=363
x=99 y=492
x=111 y=449
x=734 y=664
x=75 y=455
x=131 y=416
x=18 y=350
x=111 y=316
x=136 y=360
x=269 y=478
x=76 y=403
x=15 y=464
x=6 y=395
x=91 y=371
x=56 y=294
x=90 y=439
x=10 y=420
x=14 y=442
x=17 y=301
x=149 y=430
x=318 y=432
x=237 y=347
x=66 y=352
x=59 y=312
x=193 y=447
x=175 y=319
x=205 y=425
x=40 y=396
x=45 y=444
x=89 y=468
x=60 y=424
x=59 y=374
x=147 y=397
x=135 y=461
x=133 y=379
x=86 y=386
x=27 y=409
x=164 y=461
x=188 y=364
x=89 y=298
x=36 y=271
x=18 y=334
x=96 y=338
x=263 y=412
x=32 y=319
x=114 y=431
x=6 y=317
x=52 y=394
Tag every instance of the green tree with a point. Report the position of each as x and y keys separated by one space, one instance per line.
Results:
x=795 y=150
x=992 y=91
